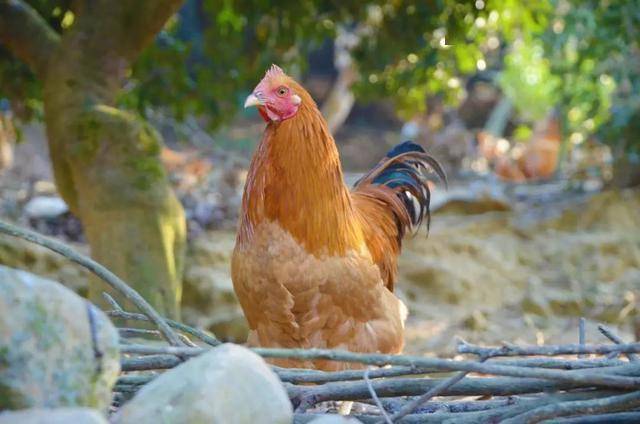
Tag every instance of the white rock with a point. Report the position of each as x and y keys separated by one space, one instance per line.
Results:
x=53 y=416
x=45 y=207
x=48 y=357
x=228 y=385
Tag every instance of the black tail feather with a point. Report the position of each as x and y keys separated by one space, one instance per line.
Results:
x=404 y=170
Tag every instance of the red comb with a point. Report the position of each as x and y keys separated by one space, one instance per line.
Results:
x=273 y=71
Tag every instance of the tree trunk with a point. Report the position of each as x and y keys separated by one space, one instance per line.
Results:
x=338 y=104
x=7 y=138
x=106 y=161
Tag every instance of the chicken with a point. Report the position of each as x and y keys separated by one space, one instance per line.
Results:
x=538 y=159
x=315 y=264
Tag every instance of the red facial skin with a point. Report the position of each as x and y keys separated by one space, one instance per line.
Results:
x=278 y=101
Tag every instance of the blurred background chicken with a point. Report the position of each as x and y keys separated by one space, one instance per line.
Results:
x=537 y=159
x=314 y=263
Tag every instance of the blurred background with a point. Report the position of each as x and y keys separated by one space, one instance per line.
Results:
x=109 y=113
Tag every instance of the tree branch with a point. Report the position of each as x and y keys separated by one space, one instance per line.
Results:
x=27 y=35
x=123 y=28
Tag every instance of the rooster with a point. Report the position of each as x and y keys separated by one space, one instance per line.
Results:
x=315 y=264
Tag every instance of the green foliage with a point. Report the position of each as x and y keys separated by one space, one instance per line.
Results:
x=527 y=80
x=17 y=82
x=204 y=65
x=214 y=51
x=19 y=85
x=204 y=61
x=594 y=48
x=457 y=39
x=582 y=55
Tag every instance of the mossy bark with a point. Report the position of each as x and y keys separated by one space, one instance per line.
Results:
x=106 y=161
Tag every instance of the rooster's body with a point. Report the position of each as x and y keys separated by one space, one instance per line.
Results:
x=315 y=263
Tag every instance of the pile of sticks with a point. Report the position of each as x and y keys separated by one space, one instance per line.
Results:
x=536 y=382
x=510 y=384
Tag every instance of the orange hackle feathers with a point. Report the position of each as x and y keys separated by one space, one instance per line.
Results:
x=295 y=178
x=315 y=263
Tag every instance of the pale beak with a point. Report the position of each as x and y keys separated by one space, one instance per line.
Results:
x=252 y=100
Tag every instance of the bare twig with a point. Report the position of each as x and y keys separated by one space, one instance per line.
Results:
x=394 y=387
x=118 y=312
x=299 y=376
x=151 y=362
x=484 y=416
x=500 y=414
x=137 y=332
x=549 y=350
x=435 y=391
x=608 y=333
x=107 y=276
x=126 y=332
x=613 y=403
x=615 y=417
x=582 y=336
x=394 y=404
x=375 y=398
x=97 y=352
x=136 y=380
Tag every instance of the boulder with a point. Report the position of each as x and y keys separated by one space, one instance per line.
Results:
x=229 y=384
x=53 y=416
x=56 y=349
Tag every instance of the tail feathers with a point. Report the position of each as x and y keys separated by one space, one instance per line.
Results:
x=404 y=171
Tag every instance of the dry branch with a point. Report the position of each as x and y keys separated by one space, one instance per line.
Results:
x=152 y=362
x=118 y=312
x=376 y=399
x=608 y=333
x=549 y=350
x=437 y=390
x=582 y=334
x=503 y=410
x=491 y=386
x=613 y=403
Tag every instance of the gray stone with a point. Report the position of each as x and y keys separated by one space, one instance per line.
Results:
x=45 y=207
x=53 y=416
x=229 y=384
x=48 y=357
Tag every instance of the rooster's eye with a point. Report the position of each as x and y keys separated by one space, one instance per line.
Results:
x=282 y=91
